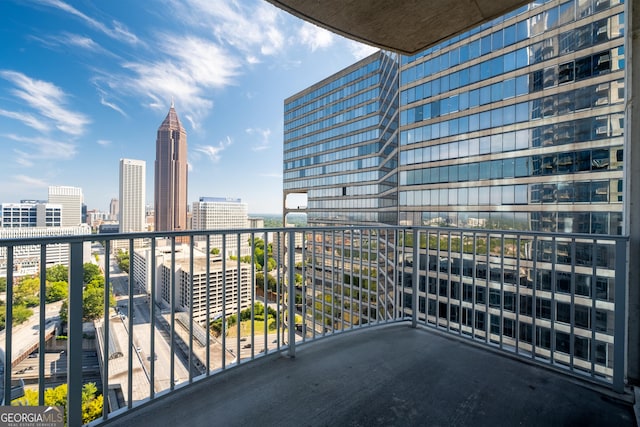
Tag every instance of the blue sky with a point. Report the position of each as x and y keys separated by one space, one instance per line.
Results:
x=85 y=83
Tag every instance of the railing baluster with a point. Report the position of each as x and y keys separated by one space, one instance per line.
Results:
x=43 y=331
x=74 y=342
x=292 y=298
x=620 y=315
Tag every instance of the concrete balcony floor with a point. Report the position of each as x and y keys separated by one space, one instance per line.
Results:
x=387 y=376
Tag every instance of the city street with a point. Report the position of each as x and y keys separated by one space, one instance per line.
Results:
x=142 y=333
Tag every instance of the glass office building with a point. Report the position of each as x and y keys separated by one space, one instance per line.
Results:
x=340 y=144
x=515 y=125
x=518 y=124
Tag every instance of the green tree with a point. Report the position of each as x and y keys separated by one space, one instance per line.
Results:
x=57 y=291
x=215 y=251
x=26 y=292
x=90 y=272
x=58 y=273
x=92 y=303
x=92 y=401
x=122 y=257
x=3 y=284
x=21 y=314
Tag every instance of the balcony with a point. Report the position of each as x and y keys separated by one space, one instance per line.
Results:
x=367 y=325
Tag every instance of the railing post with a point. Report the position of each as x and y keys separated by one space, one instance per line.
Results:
x=74 y=342
x=8 y=344
x=415 y=278
x=620 y=313
x=291 y=277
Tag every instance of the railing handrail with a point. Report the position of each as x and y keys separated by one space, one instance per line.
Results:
x=20 y=241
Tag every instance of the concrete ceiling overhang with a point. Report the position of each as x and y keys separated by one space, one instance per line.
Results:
x=404 y=26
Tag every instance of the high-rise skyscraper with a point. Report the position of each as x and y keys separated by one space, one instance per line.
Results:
x=515 y=125
x=170 y=194
x=114 y=209
x=340 y=144
x=132 y=195
x=71 y=200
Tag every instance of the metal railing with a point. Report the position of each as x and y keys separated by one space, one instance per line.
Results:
x=196 y=303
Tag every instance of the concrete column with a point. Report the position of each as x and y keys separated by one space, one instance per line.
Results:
x=632 y=185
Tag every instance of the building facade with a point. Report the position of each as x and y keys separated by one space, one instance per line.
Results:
x=170 y=185
x=219 y=213
x=71 y=200
x=31 y=214
x=518 y=125
x=340 y=145
x=514 y=125
x=228 y=283
x=26 y=259
x=131 y=200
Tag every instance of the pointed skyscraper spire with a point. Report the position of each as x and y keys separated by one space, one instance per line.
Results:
x=172 y=104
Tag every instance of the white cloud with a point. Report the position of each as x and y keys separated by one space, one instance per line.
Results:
x=213 y=152
x=315 y=37
x=48 y=100
x=30 y=181
x=104 y=142
x=41 y=148
x=250 y=27
x=27 y=119
x=187 y=72
x=109 y=104
x=118 y=31
x=263 y=141
x=360 y=50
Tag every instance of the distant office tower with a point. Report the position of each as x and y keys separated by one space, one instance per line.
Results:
x=340 y=145
x=132 y=195
x=170 y=195
x=31 y=214
x=114 y=209
x=219 y=213
x=71 y=200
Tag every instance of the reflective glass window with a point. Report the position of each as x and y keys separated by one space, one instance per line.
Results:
x=463 y=172
x=485 y=45
x=474 y=147
x=464 y=53
x=497 y=117
x=473 y=196
x=485 y=70
x=522 y=58
x=484 y=195
x=474 y=170
x=485 y=119
x=474 y=73
x=484 y=170
x=510 y=35
x=474 y=49
x=522 y=30
x=566 y=12
x=485 y=95
x=509 y=115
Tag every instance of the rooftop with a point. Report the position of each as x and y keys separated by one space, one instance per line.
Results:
x=387 y=375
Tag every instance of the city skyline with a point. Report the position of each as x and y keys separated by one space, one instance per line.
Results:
x=85 y=85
